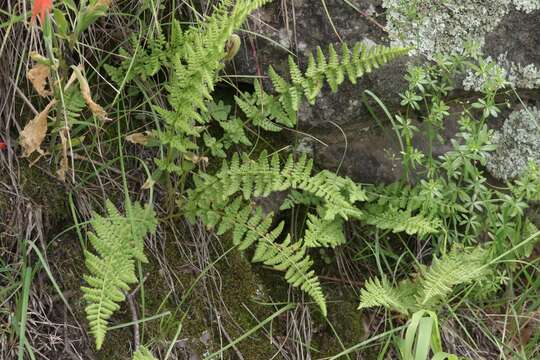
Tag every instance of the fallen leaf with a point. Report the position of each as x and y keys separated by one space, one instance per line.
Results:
x=95 y=108
x=138 y=138
x=64 y=161
x=35 y=131
x=196 y=159
x=38 y=77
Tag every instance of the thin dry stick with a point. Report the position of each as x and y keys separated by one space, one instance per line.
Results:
x=135 y=319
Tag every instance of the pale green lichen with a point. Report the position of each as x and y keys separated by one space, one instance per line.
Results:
x=517 y=75
x=435 y=26
x=527 y=6
x=518 y=144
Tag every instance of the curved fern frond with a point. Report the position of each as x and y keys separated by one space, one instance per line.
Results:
x=432 y=285
x=293 y=259
x=261 y=177
x=242 y=179
x=270 y=112
x=458 y=267
x=118 y=241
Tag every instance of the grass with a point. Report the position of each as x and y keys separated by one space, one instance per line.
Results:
x=198 y=296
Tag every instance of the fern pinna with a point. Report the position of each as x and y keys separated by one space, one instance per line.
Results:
x=243 y=179
x=272 y=112
x=118 y=241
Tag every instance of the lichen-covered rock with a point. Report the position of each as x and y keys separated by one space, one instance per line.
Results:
x=518 y=143
x=508 y=30
x=297 y=28
x=434 y=26
x=515 y=43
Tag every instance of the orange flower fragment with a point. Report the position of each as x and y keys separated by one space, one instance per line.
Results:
x=40 y=9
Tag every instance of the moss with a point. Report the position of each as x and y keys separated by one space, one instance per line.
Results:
x=44 y=191
x=343 y=327
x=242 y=289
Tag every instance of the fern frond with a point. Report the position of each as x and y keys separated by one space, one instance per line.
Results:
x=323 y=233
x=118 y=241
x=270 y=112
x=399 y=220
x=432 y=285
x=242 y=179
x=379 y=292
x=261 y=177
x=460 y=266
x=72 y=105
x=143 y=354
x=293 y=259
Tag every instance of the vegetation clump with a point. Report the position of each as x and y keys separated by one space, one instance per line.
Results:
x=179 y=134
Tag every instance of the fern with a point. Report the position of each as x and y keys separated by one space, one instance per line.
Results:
x=270 y=112
x=262 y=177
x=72 y=105
x=142 y=62
x=196 y=63
x=293 y=259
x=323 y=233
x=143 y=354
x=118 y=241
x=458 y=267
x=380 y=293
x=243 y=179
x=433 y=284
x=399 y=220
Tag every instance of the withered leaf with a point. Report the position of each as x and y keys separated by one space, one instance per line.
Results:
x=64 y=161
x=94 y=107
x=35 y=131
x=138 y=138
x=38 y=76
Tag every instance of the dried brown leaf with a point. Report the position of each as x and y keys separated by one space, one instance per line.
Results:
x=64 y=161
x=38 y=76
x=94 y=107
x=35 y=131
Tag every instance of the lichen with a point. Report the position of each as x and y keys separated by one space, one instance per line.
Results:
x=517 y=75
x=434 y=26
x=518 y=144
x=527 y=6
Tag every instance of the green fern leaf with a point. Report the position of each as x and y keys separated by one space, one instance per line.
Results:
x=379 y=292
x=118 y=241
x=143 y=354
x=293 y=259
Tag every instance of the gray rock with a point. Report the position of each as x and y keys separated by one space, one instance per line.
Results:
x=299 y=29
x=372 y=153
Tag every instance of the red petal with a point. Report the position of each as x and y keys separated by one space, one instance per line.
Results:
x=3 y=146
x=40 y=9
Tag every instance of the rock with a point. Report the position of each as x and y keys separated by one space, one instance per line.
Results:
x=372 y=153
x=299 y=29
